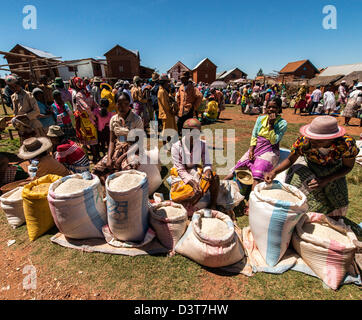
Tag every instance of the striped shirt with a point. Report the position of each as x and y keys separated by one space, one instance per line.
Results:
x=72 y=156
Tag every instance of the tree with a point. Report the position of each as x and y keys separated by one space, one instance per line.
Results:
x=260 y=73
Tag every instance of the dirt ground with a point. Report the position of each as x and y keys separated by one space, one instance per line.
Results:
x=48 y=287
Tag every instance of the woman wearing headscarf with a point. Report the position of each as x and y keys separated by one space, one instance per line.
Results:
x=85 y=120
x=107 y=93
x=330 y=155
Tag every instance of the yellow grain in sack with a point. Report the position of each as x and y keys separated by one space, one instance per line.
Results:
x=36 y=208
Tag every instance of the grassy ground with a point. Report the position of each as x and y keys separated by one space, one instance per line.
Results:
x=71 y=274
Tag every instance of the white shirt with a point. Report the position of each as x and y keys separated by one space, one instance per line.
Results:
x=317 y=95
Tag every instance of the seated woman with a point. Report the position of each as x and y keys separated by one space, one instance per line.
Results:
x=9 y=172
x=211 y=112
x=38 y=149
x=120 y=125
x=187 y=155
x=263 y=154
x=330 y=156
x=67 y=151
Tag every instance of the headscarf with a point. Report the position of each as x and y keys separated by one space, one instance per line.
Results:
x=192 y=123
x=80 y=85
x=11 y=79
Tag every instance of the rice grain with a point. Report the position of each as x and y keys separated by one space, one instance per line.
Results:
x=279 y=194
x=125 y=182
x=324 y=232
x=213 y=227
x=73 y=185
x=170 y=212
x=17 y=195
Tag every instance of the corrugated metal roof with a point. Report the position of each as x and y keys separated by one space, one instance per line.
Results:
x=40 y=53
x=342 y=69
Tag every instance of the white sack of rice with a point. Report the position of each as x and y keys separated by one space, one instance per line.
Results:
x=321 y=231
x=170 y=212
x=213 y=227
x=17 y=195
x=73 y=185
x=279 y=194
x=125 y=182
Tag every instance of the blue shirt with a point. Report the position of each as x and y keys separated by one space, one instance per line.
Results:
x=46 y=122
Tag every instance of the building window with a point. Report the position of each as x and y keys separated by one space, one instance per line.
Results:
x=121 y=68
x=179 y=69
x=305 y=68
x=206 y=76
x=72 y=68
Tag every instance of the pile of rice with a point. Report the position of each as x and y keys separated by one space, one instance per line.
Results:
x=17 y=195
x=213 y=227
x=279 y=194
x=125 y=181
x=73 y=185
x=41 y=188
x=170 y=212
x=321 y=231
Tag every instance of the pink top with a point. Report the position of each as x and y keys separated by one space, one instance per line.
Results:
x=102 y=122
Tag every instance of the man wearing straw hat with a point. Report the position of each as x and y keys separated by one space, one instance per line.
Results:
x=330 y=155
x=38 y=149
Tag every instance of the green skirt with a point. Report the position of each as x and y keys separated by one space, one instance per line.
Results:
x=332 y=199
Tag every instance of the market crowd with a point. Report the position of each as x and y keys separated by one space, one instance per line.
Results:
x=65 y=126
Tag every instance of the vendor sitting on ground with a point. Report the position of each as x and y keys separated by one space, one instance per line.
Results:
x=211 y=112
x=263 y=154
x=67 y=151
x=330 y=156
x=120 y=125
x=187 y=155
x=9 y=172
x=38 y=149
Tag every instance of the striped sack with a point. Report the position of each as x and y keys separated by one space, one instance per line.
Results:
x=127 y=211
x=329 y=259
x=81 y=214
x=272 y=221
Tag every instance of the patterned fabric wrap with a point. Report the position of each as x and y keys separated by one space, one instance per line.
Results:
x=81 y=214
x=272 y=221
x=266 y=158
x=332 y=200
x=85 y=129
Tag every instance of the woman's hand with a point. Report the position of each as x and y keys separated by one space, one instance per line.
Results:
x=269 y=177
x=251 y=154
x=109 y=163
x=317 y=183
x=195 y=186
x=208 y=175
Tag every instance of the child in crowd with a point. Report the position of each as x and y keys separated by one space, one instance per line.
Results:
x=62 y=113
x=103 y=117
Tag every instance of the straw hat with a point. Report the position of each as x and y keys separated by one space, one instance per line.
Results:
x=155 y=76
x=33 y=147
x=186 y=74
x=164 y=77
x=136 y=79
x=244 y=176
x=97 y=80
x=55 y=131
x=323 y=128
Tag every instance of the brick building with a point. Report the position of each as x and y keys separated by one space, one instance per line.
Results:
x=176 y=71
x=297 y=70
x=205 y=71
x=231 y=75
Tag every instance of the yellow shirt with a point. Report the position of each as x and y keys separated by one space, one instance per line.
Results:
x=261 y=129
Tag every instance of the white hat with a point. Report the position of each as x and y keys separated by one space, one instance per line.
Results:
x=359 y=85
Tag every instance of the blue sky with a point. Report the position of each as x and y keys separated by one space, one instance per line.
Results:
x=235 y=33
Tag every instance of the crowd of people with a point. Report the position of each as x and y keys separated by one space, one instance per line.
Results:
x=64 y=127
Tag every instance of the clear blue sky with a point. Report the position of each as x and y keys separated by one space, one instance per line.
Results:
x=235 y=33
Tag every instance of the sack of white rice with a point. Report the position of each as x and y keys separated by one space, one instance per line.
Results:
x=274 y=210
x=12 y=205
x=229 y=196
x=169 y=220
x=77 y=206
x=210 y=240
x=326 y=246
x=127 y=205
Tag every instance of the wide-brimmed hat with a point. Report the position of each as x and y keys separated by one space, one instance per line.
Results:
x=164 y=77
x=155 y=77
x=343 y=81
x=97 y=80
x=37 y=90
x=186 y=74
x=323 y=128
x=55 y=131
x=106 y=86
x=244 y=176
x=33 y=147
x=136 y=79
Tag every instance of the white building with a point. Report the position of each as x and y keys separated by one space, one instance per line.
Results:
x=83 y=68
